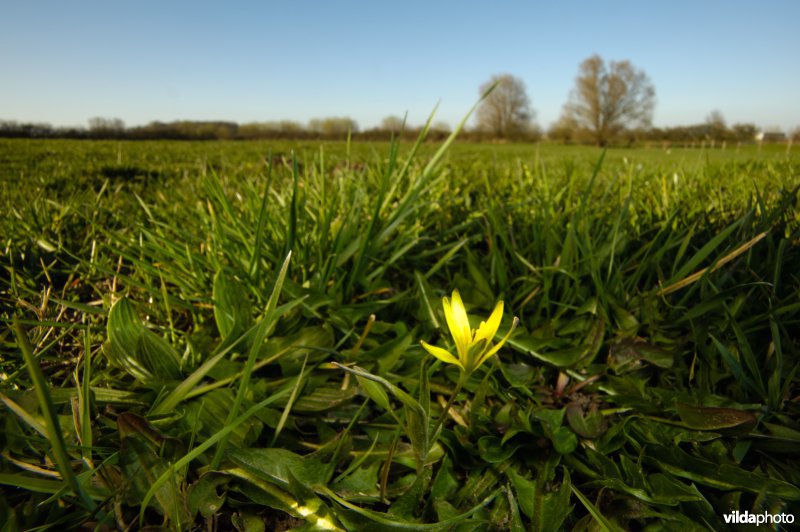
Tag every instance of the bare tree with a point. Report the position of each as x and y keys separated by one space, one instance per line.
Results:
x=506 y=112
x=610 y=98
x=716 y=125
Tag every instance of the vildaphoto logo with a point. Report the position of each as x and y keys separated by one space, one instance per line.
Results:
x=766 y=518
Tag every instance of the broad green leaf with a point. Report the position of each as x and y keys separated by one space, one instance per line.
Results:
x=291 y=351
x=248 y=522
x=180 y=392
x=594 y=341
x=210 y=411
x=551 y=418
x=493 y=451
x=362 y=483
x=275 y=465
x=444 y=510
x=532 y=346
x=668 y=490
x=780 y=431
x=564 y=440
x=526 y=491
x=714 y=418
x=139 y=351
x=203 y=497
x=323 y=399
x=586 y=425
x=478 y=484
x=417 y=419
x=444 y=483
x=130 y=424
x=516 y=524
x=209 y=442
x=547 y=510
x=292 y=499
x=675 y=461
x=626 y=321
x=408 y=505
x=374 y=391
x=395 y=522
x=140 y=463
x=628 y=353
x=555 y=507
x=232 y=309
x=518 y=375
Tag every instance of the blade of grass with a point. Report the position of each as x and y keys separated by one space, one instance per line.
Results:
x=288 y=408
x=200 y=449
x=41 y=485
x=23 y=414
x=85 y=399
x=54 y=434
x=674 y=287
x=262 y=218
x=595 y=512
x=394 y=522
x=187 y=385
x=263 y=330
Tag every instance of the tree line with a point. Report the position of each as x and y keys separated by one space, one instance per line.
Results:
x=611 y=103
x=329 y=128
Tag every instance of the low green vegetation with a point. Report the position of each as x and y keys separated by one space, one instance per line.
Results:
x=217 y=335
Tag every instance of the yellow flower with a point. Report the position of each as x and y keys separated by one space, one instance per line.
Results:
x=472 y=345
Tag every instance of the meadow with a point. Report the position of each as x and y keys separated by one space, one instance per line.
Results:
x=209 y=335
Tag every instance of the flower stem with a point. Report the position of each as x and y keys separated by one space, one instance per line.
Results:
x=461 y=380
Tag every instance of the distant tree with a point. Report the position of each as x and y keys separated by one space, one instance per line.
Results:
x=106 y=127
x=315 y=125
x=270 y=130
x=717 y=128
x=506 y=112
x=12 y=128
x=565 y=130
x=744 y=132
x=290 y=127
x=716 y=119
x=439 y=131
x=332 y=126
x=393 y=124
x=610 y=98
x=441 y=127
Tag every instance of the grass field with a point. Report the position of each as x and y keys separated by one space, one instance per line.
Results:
x=213 y=335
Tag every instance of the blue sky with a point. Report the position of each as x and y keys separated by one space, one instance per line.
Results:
x=65 y=62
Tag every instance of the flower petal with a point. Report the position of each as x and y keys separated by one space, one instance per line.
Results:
x=441 y=354
x=461 y=318
x=488 y=328
x=458 y=323
x=486 y=356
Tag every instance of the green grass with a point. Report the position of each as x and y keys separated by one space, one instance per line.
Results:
x=227 y=334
